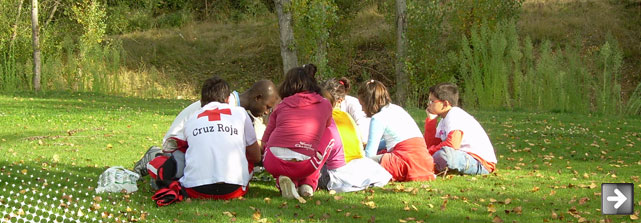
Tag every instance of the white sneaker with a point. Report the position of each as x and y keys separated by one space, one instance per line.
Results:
x=306 y=190
x=288 y=189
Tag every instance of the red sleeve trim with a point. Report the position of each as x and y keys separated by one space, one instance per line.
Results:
x=182 y=144
x=488 y=165
x=447 y=142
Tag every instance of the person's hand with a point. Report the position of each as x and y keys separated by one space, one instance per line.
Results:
x=430 y=115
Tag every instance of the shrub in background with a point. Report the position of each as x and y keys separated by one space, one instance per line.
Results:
x=498 y=72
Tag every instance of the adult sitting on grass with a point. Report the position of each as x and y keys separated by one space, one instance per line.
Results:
x=458 y=144
x=258 y=100
x=222 y=148
x=406 y=157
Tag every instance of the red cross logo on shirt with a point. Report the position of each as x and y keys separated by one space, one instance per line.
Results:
x=214 y=115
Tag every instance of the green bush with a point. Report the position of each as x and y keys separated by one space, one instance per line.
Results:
x=633 y=107
x=497 y=72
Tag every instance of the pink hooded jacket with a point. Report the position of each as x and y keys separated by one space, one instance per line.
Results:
x=298 y=123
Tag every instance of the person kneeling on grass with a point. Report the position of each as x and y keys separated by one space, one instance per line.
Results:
x=458 y=144
x=221 y=149
x=293 y=153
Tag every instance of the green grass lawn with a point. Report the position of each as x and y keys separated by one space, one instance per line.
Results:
x=551 y=166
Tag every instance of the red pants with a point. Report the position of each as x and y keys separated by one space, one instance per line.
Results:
x=409 y=161
x=303 y=172
x=197 y=195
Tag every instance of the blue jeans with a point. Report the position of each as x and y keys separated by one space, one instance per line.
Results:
x=457 y=161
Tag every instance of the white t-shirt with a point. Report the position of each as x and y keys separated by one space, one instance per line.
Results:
x=475 y=140
x=218 y=135
x=354 y=109
x=179 y=123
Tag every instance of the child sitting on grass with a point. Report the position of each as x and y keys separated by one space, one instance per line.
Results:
x=458 y=144
x=293 y=154
x=354 y=108
x=346 y=169
x=407 y=158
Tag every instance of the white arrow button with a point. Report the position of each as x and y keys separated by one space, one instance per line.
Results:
x=620 y=198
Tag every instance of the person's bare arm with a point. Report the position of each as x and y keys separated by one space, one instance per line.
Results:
x=253 y=153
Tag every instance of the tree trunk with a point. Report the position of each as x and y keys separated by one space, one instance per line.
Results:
x=15 y=25
x=287 y=48
x=53 y=12
x=401 y=49
x=36 y=45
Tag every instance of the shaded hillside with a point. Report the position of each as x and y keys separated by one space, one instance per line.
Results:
x=241 y=52
x=249 y=50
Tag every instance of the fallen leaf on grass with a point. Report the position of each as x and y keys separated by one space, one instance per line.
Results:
x=535 y=189
x=517 y=210
x=634 y=217
x=497 y=219
x=256 y=215
x=370 y=204
x=229 y=214
x=444 y=205
x=491 y=208
x=95 y=206
x=508 y=201
x=583 y=200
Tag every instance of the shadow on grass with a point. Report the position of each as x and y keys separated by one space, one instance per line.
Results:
x=67 y=102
